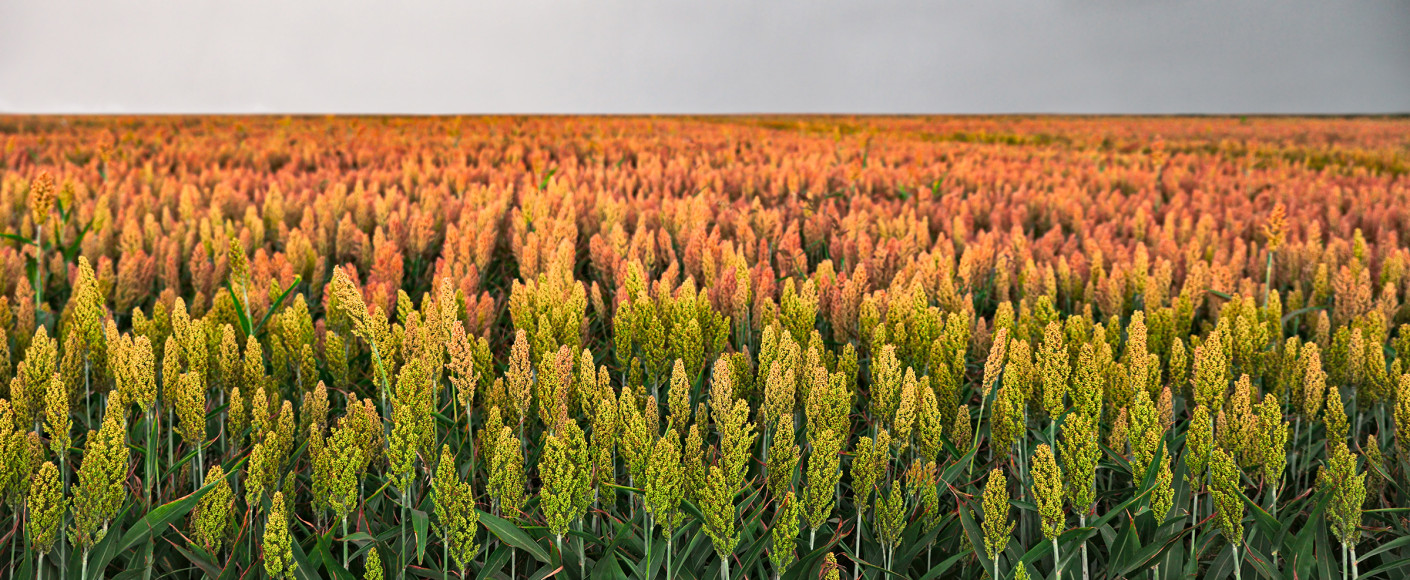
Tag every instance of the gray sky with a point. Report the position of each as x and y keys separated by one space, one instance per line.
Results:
x=666 y=56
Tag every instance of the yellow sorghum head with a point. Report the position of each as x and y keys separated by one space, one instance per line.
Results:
x=33 y=378
x=997 y=527
x=784 y=533
x=830 y=569
x=238 y=417
x=1079 y=456
x=1375 y=467
x=1211 y=373
x=635 y=439
x=346 y=300
x=1053 y=356
x=1162 y=494
x=1314 y=382
x=1144 y=434
x=665 y=482
x=507 y=482
x=906 y=408
x=100 y=492
x=57 y=422
x=1272 y=439
x=1335 y=415
x=995 y=363
x=783 y=457
x=348 y=462
x=239 y=264
x=1199 y=442
x=46 y=505
x=373 y=566
x=191 y=408
x=1047 y=490
x=929 y=426
x=228 y=363
x=779 y=394
x=1227 y=491
x=886 y=383
x=278 y=551
x=213 y=520
x=564 y=472
x=921 y=482
x=1117 y=438
x=737 y=437
x=890 y=515
x=717 y=506
x=1273 y=227
x=259 y=475
x=41 y=197
x=520 y=377
x=1348 y=492
x=962 y=434
x=455 y=510
x=823 y=475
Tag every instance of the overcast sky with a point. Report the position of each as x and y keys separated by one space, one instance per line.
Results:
x=665 y=56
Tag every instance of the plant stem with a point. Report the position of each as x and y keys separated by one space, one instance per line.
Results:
x=1238 y=564
x=1355 y=573
x=1194 y=524
x=1082 y=521
x=401 y=550
x=345 y=542
x=724 y=569
x=1057 y=562
x=856 y=570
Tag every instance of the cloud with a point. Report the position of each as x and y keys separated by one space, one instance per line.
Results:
x=574 y=56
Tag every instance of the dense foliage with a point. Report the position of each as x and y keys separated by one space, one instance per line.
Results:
x=701 y=348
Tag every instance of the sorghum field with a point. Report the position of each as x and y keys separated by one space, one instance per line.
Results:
x=708 y=348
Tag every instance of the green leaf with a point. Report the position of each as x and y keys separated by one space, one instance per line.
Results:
x=305 y=569
x=494 y=563
x=1386 y=547
x=512 y=535
x=240 y=312
x=335 y=567
x=194 y=556
x=1380 y=571
x=945 y=565
x=17 y=238
x=420 y=523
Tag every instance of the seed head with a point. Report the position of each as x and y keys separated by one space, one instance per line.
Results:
x=784 y=533
x=1047 y=490
x=823 y=475
x=46 y=505
x=41 y=197
x=213 y=520
x=1227 y=491
x=278 y=551
x=997 y=526
x=1348 y=492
